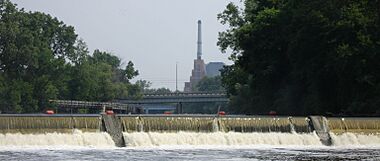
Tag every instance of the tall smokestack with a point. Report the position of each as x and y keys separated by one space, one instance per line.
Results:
x=199 y=43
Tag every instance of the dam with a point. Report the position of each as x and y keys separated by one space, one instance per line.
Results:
x=157 y=130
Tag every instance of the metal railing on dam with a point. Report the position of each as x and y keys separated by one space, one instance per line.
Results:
x=43 y=123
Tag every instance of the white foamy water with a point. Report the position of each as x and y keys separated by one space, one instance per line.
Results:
x=183 y=139
x=139 y=139
x=76 y=138
x=355 y=139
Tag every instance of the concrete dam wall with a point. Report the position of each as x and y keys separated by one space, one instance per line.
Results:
x=121 y=128
x=208 y=123
x=41 y=123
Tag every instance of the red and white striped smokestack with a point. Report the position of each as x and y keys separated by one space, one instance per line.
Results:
x=199 y=42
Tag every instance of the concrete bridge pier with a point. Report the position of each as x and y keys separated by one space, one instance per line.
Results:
x=179 y=108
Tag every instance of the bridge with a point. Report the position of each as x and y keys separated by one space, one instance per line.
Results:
x=177 y=98
x=73 y=104
x=131 y=104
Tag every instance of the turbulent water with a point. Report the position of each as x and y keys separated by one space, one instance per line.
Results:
x=219 y=138
x=156 y=139
x=188 y=146
x=191 y=153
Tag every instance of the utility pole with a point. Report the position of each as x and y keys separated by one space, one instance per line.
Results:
x=176 y=76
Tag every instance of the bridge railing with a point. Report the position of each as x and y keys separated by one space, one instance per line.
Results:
x=88 y=104
x=219 y=93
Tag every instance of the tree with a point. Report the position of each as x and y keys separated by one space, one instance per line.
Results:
x=210 y=84
x=303 y=57
x=34 y=49
x=207 y=84
x=145 y=85
x=41 y=59
x=130 y=71
x=100 y=78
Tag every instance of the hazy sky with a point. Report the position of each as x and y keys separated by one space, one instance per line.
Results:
x=154 y=34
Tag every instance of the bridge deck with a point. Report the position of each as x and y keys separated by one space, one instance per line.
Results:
x=177 y=98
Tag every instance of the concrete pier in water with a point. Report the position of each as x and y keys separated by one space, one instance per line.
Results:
x=112 y=125
x=319 y=124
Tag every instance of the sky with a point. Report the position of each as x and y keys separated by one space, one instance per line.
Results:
x=153 y=34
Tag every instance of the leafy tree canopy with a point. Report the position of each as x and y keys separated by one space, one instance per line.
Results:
x=41 y=58
x=303 y=57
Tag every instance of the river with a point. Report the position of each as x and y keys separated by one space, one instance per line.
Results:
x=205 y=153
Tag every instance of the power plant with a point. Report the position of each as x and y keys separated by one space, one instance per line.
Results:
x=199 y=69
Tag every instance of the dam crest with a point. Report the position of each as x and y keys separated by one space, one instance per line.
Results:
x=159 y=130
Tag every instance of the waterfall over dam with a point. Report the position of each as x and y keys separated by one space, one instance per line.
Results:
x=210 y=123
x=42 y=123
x=158 y=130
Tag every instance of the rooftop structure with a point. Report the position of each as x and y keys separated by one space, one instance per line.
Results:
x=213 y=69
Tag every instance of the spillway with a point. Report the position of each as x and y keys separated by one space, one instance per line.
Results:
x=137 y=139
x=73 y=138
x=41 y=123
x=194 y=130
x=354 y=125
x=210 y=123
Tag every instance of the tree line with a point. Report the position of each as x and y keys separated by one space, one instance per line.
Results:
x=303 y=57
x=41 y=58
x=206 y=84
x=294 y=57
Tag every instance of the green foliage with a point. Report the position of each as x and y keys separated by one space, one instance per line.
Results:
x=145 y=88
x=130 y=71
x=210 y=84
x=303 y=57
x=207 y=84
x=41 y=58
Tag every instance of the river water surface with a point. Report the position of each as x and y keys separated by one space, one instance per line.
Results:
x=191 y=153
